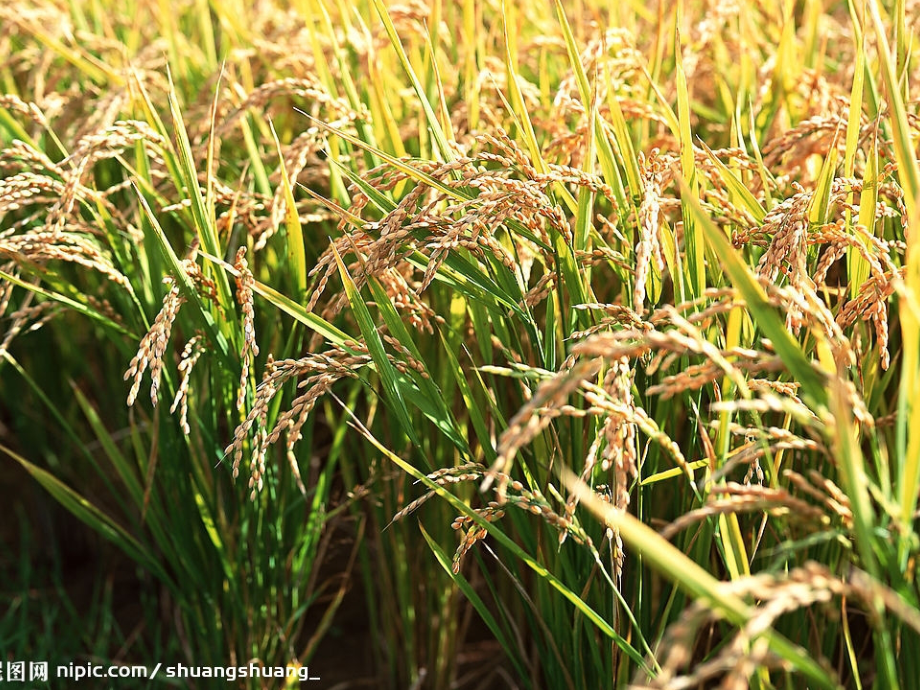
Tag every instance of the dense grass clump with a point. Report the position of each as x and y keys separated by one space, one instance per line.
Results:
x=556 y=345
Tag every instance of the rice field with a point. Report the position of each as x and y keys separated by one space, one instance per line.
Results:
x=462 y=344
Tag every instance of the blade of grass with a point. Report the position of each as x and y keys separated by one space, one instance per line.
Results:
x=665 y=558
x=440 y=138
x=518 y=106
x=473 y=597
x=96 y=519
x=437 y=409
x=540 y=570
x=597 y=143
x=764 y=315
x=690 y=192
x=126 y=472
x=389 y=377
x=296 y=255
x=202 y=214
x=476 y=416
x=855 y=485
x=908 y=478
x=739 y=191
x=291 y=308
x=819 y=207
x=88 y=64
x=402 y=166
x=858 y=267
x=624 y=142
x=186 y=285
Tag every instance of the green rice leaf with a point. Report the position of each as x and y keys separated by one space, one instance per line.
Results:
x=738 y=189
x=68 y=302
x=858 y=267
x=430 y=401
x=205 y=319
x=473 y=597
x=665 y=558
x=764 y=315
x=204 y=216
x=819 y=208
x=440 y=138
x=293 y=309
x=389 y=377
x=539 y=570
x=91 y=515
x=295 y=250
x=690 y=193
x=909 y=176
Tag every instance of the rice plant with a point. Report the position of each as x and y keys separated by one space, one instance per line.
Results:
x=574 y=344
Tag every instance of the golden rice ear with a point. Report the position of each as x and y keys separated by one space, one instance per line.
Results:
x=190 y=355
x=153 y=346
x=250 y=349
